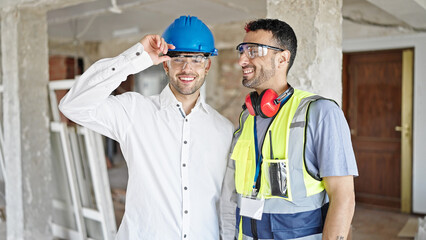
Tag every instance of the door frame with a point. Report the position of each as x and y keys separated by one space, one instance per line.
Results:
x=406 y=130
x=413 y=168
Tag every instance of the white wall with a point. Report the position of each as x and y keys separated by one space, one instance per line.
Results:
x=418 y=42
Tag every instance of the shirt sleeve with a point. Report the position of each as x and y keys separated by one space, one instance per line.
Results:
x=228 y=203
x=328 y=149
x=89 y=103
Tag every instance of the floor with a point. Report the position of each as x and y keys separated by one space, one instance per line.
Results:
x=369 y=223
x=378 y=224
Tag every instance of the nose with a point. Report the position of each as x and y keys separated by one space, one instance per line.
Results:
x=185 y=65
x=243 y=60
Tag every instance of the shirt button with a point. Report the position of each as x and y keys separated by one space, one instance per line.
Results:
x=186 y=211
x=138 y=53
x=185 y=142
x=184 y=165
x=186 y=120
x=184 y=236
x=177 y=105
x=185 y=188
x=113 y=69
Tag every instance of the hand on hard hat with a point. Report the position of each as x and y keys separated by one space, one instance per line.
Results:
x=155 y=46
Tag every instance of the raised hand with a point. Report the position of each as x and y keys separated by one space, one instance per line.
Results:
x=155 y=45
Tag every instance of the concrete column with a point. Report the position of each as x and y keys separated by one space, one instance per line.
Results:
x=318 y=27
x=26 y=122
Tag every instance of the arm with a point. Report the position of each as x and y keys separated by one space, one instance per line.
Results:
x=89 y=102
x=329 y=155
x=228 y=204
x=342 y=206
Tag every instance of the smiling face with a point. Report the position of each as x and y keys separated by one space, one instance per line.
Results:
x=259 y=72
x=187 y=76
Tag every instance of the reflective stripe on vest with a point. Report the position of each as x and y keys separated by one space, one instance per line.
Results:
x=303 y=225
x=288 y=138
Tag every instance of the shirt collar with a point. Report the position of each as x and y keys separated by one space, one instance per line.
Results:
x=167 y=98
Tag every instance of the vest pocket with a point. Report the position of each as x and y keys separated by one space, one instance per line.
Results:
x=244 y=167
x=274 y=178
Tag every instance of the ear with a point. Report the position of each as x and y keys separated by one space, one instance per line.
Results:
x=166 y=68
x=284 y=59
x=209 y=63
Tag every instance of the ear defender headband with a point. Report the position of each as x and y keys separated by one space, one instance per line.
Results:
x=267 y=103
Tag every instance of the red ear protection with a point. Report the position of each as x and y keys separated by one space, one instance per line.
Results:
x=251 y=103
x=263 y=104
x=268 y=108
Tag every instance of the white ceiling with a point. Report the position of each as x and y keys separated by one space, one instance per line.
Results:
x=95 y=21
x=411 y=12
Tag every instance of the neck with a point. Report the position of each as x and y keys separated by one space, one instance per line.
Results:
x=281 y=89
x=188 y=101
x=278 y=86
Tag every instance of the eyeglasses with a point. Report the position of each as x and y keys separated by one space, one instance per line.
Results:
x=253 y=50
x=194 y=61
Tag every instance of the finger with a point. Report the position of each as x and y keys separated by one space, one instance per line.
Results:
x=164 y=58
x=161 y=45
x=148 y=41
x=157 y=41
x=153 y=42
x=165 y=47
x=169 y=46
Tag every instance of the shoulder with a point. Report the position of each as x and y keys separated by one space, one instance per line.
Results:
x=324 y=105
x=129 y=97
x=324 y=108
x=219 y=118
x=136 y=100
x=327 y=119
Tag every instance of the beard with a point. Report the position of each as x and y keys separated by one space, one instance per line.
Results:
x=264 y=76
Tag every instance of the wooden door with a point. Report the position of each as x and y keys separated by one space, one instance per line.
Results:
x=372 y=95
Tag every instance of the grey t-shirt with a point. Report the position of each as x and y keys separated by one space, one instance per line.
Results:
x=329 y=149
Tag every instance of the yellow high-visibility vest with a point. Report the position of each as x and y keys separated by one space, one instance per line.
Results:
x=288 y=131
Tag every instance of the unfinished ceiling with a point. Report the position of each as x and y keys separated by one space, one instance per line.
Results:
x=101 y=20
x=411 y=12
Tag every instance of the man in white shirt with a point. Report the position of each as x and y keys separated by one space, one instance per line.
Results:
x=175 y=145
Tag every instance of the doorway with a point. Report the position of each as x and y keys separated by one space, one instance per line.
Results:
x=377 y=102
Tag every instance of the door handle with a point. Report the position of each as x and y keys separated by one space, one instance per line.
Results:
x=403 y=129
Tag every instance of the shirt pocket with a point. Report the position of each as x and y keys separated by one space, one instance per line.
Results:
x=274 y=178
x=244 y=166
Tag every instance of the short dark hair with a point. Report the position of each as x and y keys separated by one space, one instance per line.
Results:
x=282 y=33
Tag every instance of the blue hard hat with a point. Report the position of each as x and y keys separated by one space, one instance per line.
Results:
x=189 y=34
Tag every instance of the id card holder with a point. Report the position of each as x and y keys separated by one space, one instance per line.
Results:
x=252 y=207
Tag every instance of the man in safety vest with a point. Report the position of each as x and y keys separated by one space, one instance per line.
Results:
x=175 y=145
x=292 y=162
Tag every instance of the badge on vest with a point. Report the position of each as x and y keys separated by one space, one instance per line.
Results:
x=252 y=207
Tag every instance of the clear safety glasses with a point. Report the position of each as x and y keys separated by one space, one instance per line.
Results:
x=253 y=50
x=194 y=61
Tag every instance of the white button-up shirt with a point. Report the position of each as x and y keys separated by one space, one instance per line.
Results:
x=176 y=162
